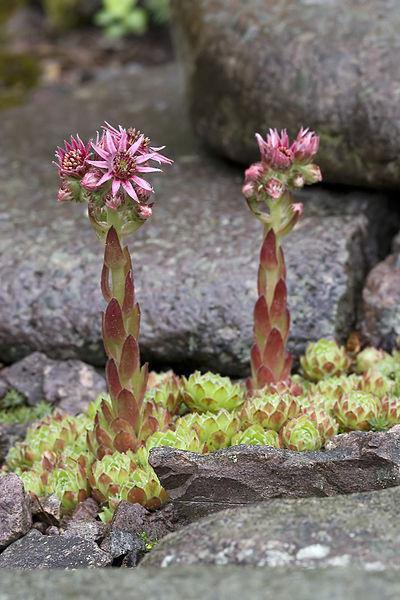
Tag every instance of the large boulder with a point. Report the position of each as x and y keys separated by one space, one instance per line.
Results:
x=195 y=262
x=330 y=65
x=380 y=306
x=359 y=530
x=200 y=484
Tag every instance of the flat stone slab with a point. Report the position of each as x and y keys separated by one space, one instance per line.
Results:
x=201 y=484
x=328 y=64
x=37 y=551
x=206 y=582
x=195 y=262
x=361 y=530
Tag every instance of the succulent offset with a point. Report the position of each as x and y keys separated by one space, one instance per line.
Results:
x=300 y=434
x=387 y=414
x=125 y=476
x=210 y=392
x=323 y=359
x=215 y=430
x=271 y=411
x=255 y=435
x=355 y=410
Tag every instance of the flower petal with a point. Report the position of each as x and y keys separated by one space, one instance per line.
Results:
x=116 y=184
x=106 y=177
x=100 y=151
x=142 y=183
x=128 y=187
x=148 y=169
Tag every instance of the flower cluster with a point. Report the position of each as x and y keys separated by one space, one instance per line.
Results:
x=109 y=172
x=283 y=165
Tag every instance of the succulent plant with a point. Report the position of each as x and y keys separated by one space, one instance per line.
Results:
x=355 y=410
x=210 y=392
x=51 y=437
x=301 y=434
x=270 y=411
x=35 y=482
x=323 y=359
x=70 y=483
x=326 y=424
x=334 y=387
x=255 y=435
x=388 y=414
x=25 y=414
x=214 y=430
x=375 y=383
x=164 y=389
x=369 y=357
x=125 y=476
x=181 y=439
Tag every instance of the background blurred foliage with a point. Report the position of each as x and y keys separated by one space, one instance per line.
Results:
x=117 y=17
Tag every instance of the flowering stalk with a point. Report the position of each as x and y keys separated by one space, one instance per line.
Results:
x=108 y=175
x=267 y=189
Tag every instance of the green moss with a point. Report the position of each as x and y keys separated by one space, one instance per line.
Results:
x=24 y=414
x=149 y=544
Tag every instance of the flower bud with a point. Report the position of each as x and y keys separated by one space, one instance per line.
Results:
x=144 y=211
x=64 y=193
x=312 y=174
x=90 y=180
x=114 y=202
x=248 y=190
x=274 y=188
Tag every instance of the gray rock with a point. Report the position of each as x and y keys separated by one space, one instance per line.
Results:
x=329 y=65
x=135 y=519
x=195 y=262
x=27 y=377
x=10 y=434
x=205 y=582
x=380 y=307
x=120 y=544
x=70 y=385
x=359 y=530
x=37 y=551
x=15 y=514
x=200 y=484
x=83 y=522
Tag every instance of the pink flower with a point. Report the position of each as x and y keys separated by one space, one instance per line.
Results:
x=305 y=146
x=73 y=158
x=279 y=154
x=145 y=146
x=90 y=180
x=275 y=150
x=122 y=163
x=274 y=188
